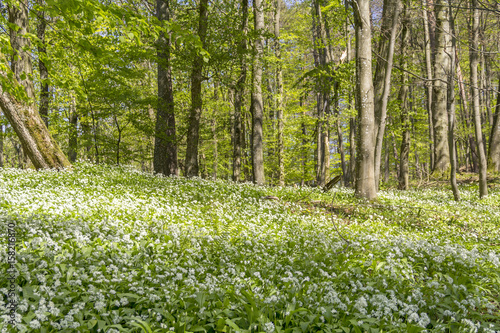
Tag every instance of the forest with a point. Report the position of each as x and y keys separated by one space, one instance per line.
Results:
x=250 y=166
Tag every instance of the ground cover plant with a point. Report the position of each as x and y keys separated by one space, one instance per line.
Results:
x=112 y=249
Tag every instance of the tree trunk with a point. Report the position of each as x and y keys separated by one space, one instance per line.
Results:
x=439 y=93
x=279 y=96
x=257 y=103
x=214 y=132
x=381 y=103
x=474 y=62
x=1 y=146
x=451 y=113
x=193 y=134
x=340 y=138
x=494 y=151
x=23 y=116
x=428 y=84
x=304 y=144
x=165 y=149
x=73 y=132
x=365 y=164
x=239 y=93
x=404 y=161
x=323 y=98
x=44 y=74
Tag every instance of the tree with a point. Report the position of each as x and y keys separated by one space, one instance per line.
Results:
x=44 y=73
x=494 y=150
x=474 y=62
x=365 y=166
x=439 y=93
x=191 y=166
x=451 y=112
x=22 y=113
x=404 y=172
x=279 y=95
x=383 y=81
x=165 y=150
x=239 y=93
x=257 y=106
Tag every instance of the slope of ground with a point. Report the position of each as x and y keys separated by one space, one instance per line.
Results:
x=107 y=249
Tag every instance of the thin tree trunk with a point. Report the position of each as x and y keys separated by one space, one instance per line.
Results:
x=494 y=150
x=404 y=162
x=193 y=134
x=323 y=101
x=165 y=149
x=257 y=103
x=73 y=132
x=238 y=96
x=44 y=74
x=214 y=132
x=304 y=145
x=119 y=140
x=23 y=116
x=381 y=104
x=365 y=178
x=279 y=96
x=439 y=94
x=336 y=87
x=428 y=84
x=451 y=113
x=1 y=145
x=474 y=62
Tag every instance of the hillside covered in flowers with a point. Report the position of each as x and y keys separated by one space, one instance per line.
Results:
x=111 y=249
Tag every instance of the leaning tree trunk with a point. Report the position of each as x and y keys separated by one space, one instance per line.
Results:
x=439 y=93
x=238 y=95
x=381 y=103
x=257 y=103
x=23 y=115
x=165 y=148
x=474 y=62
x=193 y=134
x=365 y=179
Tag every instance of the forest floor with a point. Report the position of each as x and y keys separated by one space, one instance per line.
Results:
x=112 y=249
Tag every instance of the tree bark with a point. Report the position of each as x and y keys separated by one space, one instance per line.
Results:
x=494 y=150
x=44 y=73
x=381 y=103
x=257 y=103
x=279 y=96
x=365 y=178
x=451 y=113
x=439 y=93
x=239 y=93
x=193 y=134
x=428 y=84
x=73 y=133
x=23 y=116
x=474 y=62
x=1 y=145
x=340 y=138
x=323 y=99
x=165 y=148
x=404 y=161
